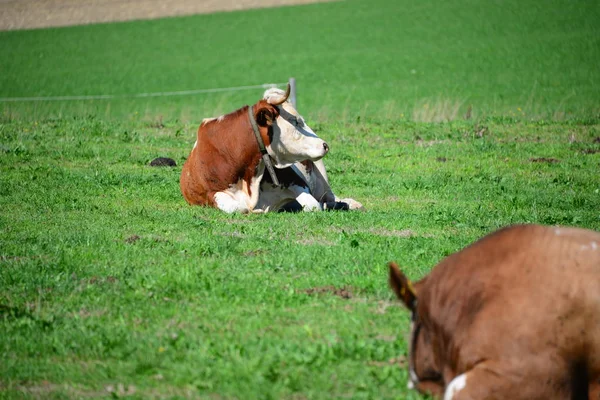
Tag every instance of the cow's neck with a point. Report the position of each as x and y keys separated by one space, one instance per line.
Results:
x=261 y=147
x=238 y=150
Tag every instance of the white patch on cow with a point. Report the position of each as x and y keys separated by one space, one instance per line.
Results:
x=227 y=202
x=273 y=95
x=456 y=385
x=239 y=197
x=195 y=144
x=413 y=377
x=557 y=232
x=207 y=120
x=593 y=246
x=308 y=202
x=305 y=198
x=221 y=118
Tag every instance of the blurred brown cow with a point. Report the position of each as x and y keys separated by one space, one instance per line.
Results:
x=515 y=315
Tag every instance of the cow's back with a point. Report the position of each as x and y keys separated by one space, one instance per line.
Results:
x=521 y=291
x=192 y=181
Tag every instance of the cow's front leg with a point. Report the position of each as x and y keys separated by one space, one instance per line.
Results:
x=273 y=198
x=305 y=199
x=343 y=204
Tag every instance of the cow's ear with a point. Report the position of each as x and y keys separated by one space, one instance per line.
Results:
x=264 y=116
x=403 y=287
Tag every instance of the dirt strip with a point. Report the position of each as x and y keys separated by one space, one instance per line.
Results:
x=30 y=14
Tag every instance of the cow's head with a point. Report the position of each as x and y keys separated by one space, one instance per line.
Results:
x=290 y=139
x=424 y=371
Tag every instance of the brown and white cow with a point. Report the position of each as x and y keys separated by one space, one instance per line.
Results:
x=225 y=169
x=516 y=315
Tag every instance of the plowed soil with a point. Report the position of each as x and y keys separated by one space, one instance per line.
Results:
x=30 y=14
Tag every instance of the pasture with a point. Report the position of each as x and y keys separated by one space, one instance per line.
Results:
x=388 y=59
x=112 y=286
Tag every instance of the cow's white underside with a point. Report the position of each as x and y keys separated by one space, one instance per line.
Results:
x=271 y=198
x=255 y=198
x=267 y=198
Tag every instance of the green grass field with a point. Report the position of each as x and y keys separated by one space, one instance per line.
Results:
x=112 y=286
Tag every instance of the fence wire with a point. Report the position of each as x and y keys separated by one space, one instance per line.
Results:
x=140 y=95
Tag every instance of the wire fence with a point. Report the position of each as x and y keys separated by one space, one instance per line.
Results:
x=142 y=95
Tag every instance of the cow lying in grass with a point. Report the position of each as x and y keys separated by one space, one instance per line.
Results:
x=515 y=315
x=226 y=167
